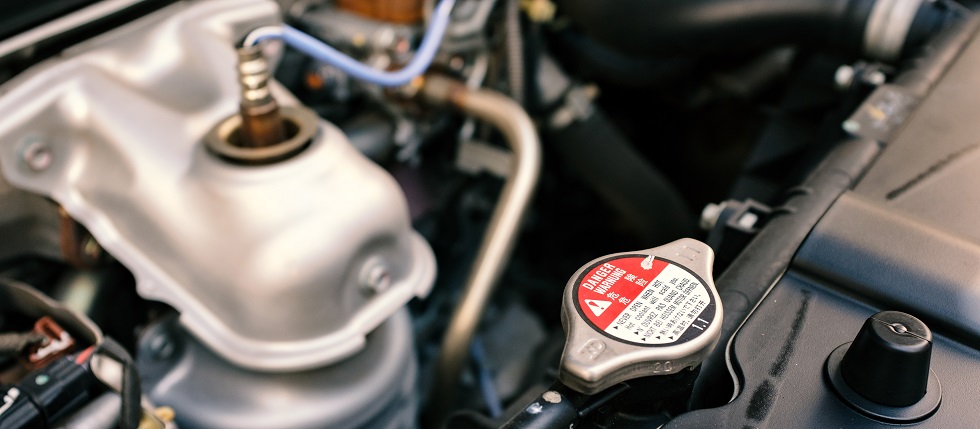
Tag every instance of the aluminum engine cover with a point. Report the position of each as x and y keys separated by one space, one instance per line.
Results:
x=266 y=264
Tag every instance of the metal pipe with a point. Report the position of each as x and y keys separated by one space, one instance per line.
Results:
x=498 y=240
x=515 y=50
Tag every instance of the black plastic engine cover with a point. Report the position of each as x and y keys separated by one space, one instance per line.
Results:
x=906 y=237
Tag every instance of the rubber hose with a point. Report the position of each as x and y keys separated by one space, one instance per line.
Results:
x=767 y=257
x=598 y=60
x=515 y=50
x=695 y=27
x=131 y=393
x=607 y=162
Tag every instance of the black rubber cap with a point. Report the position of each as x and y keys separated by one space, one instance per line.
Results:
x=888 y=362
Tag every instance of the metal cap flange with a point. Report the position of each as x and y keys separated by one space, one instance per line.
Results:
x=638 y=314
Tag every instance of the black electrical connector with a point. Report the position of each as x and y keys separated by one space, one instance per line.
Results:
x=46 y=395
x=18 y=411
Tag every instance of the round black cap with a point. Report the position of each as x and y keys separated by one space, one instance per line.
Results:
x=888 y=362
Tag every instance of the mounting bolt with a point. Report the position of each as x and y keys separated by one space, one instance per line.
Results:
x=710 y=215
x=376 y=279
x=36 y=154
x=162 y=347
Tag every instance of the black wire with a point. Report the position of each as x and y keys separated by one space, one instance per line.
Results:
x=131 y=391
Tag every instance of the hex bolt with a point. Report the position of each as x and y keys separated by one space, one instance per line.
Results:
x=710 y=216
x=37 y=155
x=161 y=347
x=376 y=279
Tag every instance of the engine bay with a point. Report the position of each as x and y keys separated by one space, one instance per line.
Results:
x=472 y=214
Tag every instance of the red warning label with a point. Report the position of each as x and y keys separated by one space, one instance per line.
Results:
x=644 y=300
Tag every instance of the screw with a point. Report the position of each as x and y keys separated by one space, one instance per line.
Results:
x=376 y=279
x=37 y=154
x=161 y=347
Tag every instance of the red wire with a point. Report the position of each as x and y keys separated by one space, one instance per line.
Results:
x=85 y=355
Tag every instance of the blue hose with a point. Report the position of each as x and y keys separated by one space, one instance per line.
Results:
x=329 y=55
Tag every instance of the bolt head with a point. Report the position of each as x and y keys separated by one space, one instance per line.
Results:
x=710 y=215
x=162 y=347
x=376 y=279
x=37 y=155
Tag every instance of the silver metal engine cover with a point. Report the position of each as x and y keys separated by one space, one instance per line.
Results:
x=279 y=267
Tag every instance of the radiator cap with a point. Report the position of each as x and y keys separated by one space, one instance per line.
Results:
x=638 y=314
